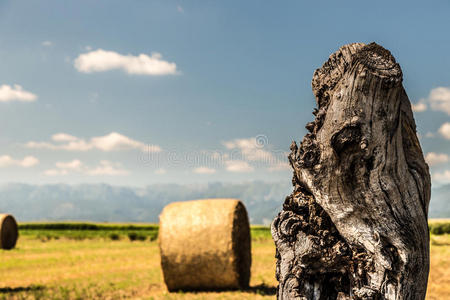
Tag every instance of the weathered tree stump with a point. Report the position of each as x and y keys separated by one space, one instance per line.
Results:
x=355 y=225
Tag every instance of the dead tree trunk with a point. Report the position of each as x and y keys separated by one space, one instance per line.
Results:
x=355 y=226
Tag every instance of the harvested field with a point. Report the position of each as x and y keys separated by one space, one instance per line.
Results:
x=95 y=266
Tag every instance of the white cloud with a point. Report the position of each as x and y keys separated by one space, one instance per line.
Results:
x=238 y=166
x=116 y=141
x=71 y=165
x=256 y=150
x=204 y=170
x=436 y=158
x=439 y=99
x=419 y=107
x=442 y=178
x=63 y=137
x=47 y=43
x=26 y=162
x=76 y=166
x=160 y=171
x=15 y=93
x=251 y=148
x=444 y=130
x=101 y=60
x=180 y=9
x=63 y=168
x=77 y=145
x=107 y=168
x=110 y=142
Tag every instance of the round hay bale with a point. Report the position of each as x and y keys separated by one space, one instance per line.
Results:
x=205 y=245
x=8 y=232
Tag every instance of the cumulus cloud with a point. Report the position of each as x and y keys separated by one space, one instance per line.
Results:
x=436 y=158
x=105 y=167
x=238 y=166
x=110 y=142
x=204 y=170
x=444 y=130
x=419 y=107
x=439 y=100
x=116 y=141
x=63 y=168
x=64 y=137
x=26 y=162
x=101 y=60
x=441 y=177
x=15 y=93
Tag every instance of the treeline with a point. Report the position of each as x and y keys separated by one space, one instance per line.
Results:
x=81 y=231
x=439 y=228
x=87 y=226
x=436 y=228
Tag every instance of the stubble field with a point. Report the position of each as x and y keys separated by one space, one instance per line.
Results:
x=125 y=264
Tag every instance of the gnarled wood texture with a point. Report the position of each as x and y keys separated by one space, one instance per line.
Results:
x=355 y=225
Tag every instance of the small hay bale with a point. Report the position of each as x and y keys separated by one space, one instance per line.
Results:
x=8 y=232
x=205 y=245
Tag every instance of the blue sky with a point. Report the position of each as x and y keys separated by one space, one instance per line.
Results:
x=142 y=92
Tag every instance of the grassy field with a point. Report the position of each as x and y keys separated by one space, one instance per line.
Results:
x=123 y=263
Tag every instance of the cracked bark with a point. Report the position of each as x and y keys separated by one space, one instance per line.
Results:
x=355 y=225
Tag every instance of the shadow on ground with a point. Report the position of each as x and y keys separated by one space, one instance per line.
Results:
x=31 y=288
x=262 y=289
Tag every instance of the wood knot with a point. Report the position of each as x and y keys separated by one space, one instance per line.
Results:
x=346 y=139
x=379 y=62
x=372 y=57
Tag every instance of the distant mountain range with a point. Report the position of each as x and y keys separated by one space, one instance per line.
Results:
x=106 y=203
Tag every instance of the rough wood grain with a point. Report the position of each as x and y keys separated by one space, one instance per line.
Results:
x=355 y=225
